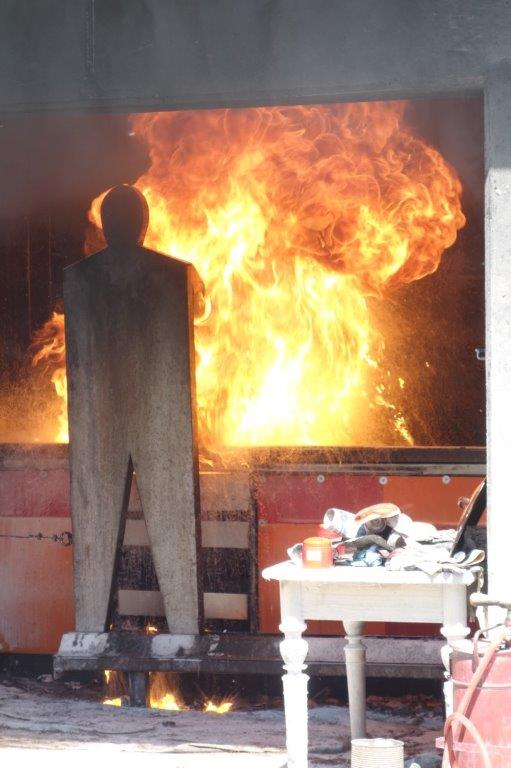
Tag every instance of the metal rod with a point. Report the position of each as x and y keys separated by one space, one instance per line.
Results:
x=137 y=685
x=65 y=538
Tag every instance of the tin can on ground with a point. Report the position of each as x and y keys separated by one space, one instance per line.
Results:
x=377 y=753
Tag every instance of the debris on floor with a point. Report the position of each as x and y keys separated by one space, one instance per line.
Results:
x=52 y=716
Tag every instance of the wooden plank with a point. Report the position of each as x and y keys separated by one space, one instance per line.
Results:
x=221 y=535
x=140 y=602
x=130 y=370
x=225 y=606
x=215 y=533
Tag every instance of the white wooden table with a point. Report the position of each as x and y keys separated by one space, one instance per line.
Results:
x=354 y=596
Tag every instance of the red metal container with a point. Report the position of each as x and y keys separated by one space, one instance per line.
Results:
x=317 y=552
x=490 y=707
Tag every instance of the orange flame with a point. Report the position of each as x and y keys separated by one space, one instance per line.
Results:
x=113 y=684
x=296 y=219
x=49 y=346
x=160 y=694
x=218 y=709
x=113 y=702
x=164 y=693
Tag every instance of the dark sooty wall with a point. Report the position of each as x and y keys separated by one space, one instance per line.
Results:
x=54 y=165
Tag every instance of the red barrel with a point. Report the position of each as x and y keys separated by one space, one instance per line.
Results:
x=489 y=709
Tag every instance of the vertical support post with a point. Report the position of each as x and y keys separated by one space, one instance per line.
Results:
x=454 y=628
x=355 y=655
x=137 y=686
x=293 y=650
x=498 y=324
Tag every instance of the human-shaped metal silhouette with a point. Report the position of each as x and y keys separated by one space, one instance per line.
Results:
x=130 y=368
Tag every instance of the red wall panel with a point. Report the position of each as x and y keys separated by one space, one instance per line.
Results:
x=36 y=593
x=34 y=493
x=430 y=498
x=304 y=498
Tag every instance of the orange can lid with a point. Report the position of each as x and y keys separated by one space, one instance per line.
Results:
x=319 y=542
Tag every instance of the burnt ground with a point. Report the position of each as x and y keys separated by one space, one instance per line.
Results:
x=53 y=716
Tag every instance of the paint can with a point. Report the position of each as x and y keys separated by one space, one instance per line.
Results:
x=377 y=753
x=317 y=552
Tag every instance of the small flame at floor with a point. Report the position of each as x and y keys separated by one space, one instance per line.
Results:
x=218 y=709
x=164 y=693
x=168 y=701
x=161 y=695
x=115 y=688
x=113 y=702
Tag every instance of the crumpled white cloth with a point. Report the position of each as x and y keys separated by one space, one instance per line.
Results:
x=342 y=522
x=432 y=558
x=412 y=529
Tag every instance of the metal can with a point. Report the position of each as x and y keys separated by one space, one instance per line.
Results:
x=317 y=552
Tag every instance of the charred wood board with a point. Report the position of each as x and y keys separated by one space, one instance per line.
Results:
x=129 y=334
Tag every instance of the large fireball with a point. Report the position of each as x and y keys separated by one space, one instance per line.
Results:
x=296 y=218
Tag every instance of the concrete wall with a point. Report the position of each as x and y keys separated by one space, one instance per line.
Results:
x=94 y=54
x=142 y=54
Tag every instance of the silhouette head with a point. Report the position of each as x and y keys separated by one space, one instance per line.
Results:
x=124 y=217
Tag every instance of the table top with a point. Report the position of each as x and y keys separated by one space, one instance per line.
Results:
x=346 y=574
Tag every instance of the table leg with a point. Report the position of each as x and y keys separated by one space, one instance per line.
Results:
x=293 y=650
x=454 y=628
x=355 y=655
